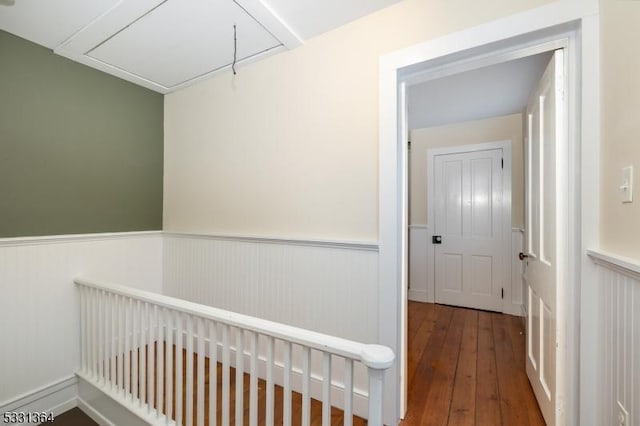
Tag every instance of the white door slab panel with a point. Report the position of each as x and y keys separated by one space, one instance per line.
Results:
x=468 y=201
x=546 y=239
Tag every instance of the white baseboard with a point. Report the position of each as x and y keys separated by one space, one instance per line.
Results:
x=420 y=295
x=93 y=413
x=55 y=398
x=513 y=309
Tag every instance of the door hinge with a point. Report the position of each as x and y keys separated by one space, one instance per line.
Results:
x=502 y=293
x=502 y=162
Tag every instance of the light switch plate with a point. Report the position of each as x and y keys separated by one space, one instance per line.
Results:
x=626 y=188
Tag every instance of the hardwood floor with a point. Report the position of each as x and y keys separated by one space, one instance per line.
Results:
x=73 y=417
x=466 y=367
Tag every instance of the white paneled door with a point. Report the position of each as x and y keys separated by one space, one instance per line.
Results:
x=546 y=239
x=468 y=192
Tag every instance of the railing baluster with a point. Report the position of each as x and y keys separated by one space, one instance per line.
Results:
x=189 y=387
x=160 y=364
x=286 y=396
x=113 y=318
x=143 y=354
x=253 y=381
x=95 y=343
x=348 y=392
x=239 y=376
x=136 y=350
x=108 y=343
x=179 y=369
x=101 y=325
x=168 y=315
x=151 y=360
x=127 y=351
x=225 y=375
x=213 y=373
x=201 y=356
x=120 y=344
x=306 y=379
x=270 y=389
x=83 y=329
x=326 y=389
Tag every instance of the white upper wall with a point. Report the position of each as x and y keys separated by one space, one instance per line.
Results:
x=289 y=146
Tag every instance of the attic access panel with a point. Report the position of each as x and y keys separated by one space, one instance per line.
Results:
x=181 y=40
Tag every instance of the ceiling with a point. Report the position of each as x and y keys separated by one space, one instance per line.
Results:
x=165 y=45
x=486 y=92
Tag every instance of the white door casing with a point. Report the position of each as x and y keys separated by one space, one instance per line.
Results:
x=468 y=201
x=546 y=240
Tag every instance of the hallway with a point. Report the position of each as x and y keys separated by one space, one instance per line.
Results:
x=466 y=367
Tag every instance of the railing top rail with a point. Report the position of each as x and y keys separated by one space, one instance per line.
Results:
x=373 y=356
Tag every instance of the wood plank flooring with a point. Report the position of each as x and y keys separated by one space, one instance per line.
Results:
x=467 y=367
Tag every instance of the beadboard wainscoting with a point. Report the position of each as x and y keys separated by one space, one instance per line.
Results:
x=39 y=320
x=419 y=289
x=329 y=287
x=422 y=286
x=516 y=307
x=619 y=334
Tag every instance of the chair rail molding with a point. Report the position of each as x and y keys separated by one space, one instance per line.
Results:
x=620 y=264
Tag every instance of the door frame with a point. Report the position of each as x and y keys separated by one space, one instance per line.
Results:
x=505 y=146
x=577 y=21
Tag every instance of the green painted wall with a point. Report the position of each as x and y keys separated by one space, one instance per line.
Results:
x=80 y=151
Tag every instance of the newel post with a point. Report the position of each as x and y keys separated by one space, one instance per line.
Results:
x=378 y=359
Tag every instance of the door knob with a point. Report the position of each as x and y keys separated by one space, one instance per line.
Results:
x=522 y=256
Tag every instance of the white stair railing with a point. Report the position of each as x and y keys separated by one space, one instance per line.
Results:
x=149 y=352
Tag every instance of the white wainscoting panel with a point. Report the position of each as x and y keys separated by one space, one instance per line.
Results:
x=39 y=322
x=331 y=288
x=418 y=264
x=619 y=334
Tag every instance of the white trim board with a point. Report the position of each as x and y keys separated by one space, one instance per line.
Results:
x=56 y=398
x=71 y=238
x=420 y=295
x=354 y=245
x=109 y=407
x=578 y=23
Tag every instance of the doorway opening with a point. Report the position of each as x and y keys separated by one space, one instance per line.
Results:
x=472 y=111
x=469 y=256
x=477 y=48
